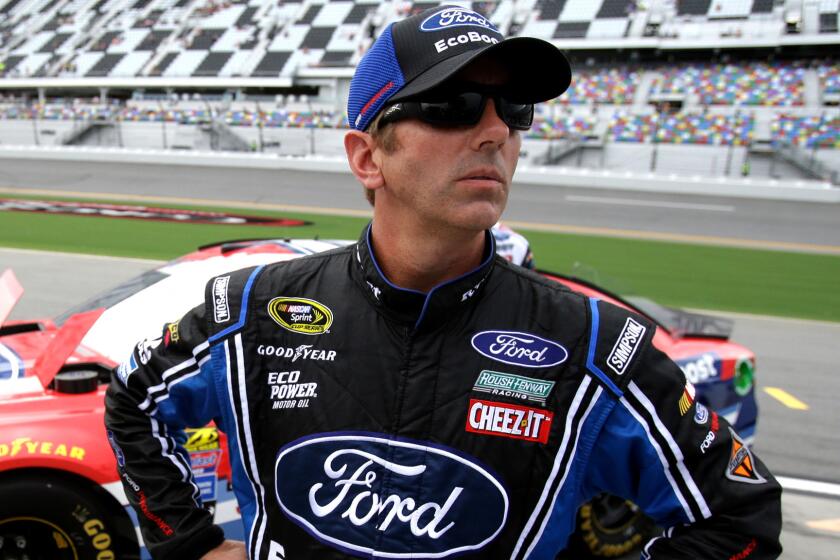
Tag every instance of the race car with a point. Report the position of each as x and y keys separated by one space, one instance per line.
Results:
x=60 y=496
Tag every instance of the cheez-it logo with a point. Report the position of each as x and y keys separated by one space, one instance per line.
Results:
x=509 y=420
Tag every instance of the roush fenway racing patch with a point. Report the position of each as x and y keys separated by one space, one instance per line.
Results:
x=509 y=420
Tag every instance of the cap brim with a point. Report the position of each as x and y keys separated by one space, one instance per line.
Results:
x=538 y=70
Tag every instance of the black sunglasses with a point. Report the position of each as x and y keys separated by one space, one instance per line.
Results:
x=461 y=108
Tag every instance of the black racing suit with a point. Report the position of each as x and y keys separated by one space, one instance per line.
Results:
x=368 y=420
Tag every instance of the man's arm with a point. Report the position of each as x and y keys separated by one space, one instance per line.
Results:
x=687 y=468
x=166 y=385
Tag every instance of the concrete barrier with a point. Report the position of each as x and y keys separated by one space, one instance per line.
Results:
x=771 y=189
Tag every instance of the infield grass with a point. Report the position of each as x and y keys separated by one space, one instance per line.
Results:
x=679 y=274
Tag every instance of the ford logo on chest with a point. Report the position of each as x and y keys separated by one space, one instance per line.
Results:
x=519 y=349
x=372 y=496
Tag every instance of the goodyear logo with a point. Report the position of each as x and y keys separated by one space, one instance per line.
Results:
x=300 y=315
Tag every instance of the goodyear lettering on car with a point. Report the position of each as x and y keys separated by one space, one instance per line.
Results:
x=300 y=315
x=28 y=446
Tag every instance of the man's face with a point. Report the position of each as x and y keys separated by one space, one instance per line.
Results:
x=452 y=177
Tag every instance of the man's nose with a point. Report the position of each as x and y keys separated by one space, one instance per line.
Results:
x=491 y=128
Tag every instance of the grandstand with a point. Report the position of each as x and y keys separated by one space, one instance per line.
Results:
x=749 y=79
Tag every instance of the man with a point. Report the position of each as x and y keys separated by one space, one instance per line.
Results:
x=424 y=398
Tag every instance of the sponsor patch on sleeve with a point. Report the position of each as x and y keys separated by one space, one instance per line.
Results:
x=687 y=398
x=625 y=346
x=741 y=466
x=509 y=420
x=221 y=305
x=127 y=368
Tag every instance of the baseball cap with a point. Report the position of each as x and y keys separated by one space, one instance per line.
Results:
x=420 y=52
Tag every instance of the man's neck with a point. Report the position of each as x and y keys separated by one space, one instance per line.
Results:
x=422 y=260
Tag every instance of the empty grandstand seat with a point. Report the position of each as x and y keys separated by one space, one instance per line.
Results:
x=212 y=64
x=153 y=40
x=337 y=58
x=762 y=6
x=131 y=64
x=185 y=63
x=615 y=9
x=271 y=64
x=570 y=30
x=550 y=9
x=317 y=38
x=728 y=9
x=579 y=10
x=104 y=65
x=55 y=42
x=693 y=7
x=204 y=39
x=163 y=64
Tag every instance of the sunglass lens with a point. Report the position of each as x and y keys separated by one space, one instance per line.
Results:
x=461 y=109
x=517 y=115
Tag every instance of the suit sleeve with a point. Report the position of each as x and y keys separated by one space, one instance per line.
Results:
x=165 y=386
x=682 y=464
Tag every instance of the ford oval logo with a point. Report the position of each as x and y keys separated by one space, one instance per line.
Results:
x=456 y=17
x=370 y=495
x=519 y=349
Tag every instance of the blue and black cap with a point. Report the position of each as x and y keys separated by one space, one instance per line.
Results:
x=417 y=54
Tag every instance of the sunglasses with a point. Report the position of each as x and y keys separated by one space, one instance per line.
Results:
x=463 y=108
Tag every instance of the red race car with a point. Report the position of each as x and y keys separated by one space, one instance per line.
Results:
x=60 y=496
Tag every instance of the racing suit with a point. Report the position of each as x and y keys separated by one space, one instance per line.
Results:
x=368 y=420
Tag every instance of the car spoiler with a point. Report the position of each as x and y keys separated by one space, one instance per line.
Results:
x=63 y=344
x=688 y=324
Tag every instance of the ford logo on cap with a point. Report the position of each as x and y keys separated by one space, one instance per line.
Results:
x=456 y=17
x=519 y=349
x=370 y=495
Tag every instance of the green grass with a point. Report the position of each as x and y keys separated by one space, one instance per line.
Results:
x=724 y=278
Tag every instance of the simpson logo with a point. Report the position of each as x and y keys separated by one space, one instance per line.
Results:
x=349 y=490
x=221 y=308
x=509 y=385
x=507 y=420
x=456 y=17
x=300 y=315
x=741 y=466
x=519 y=349
x=629 y=339
x=687 y=398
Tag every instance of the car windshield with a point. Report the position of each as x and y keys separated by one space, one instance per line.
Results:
x=114 y=295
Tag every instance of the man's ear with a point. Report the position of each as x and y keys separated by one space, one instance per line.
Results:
x=361 y=148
